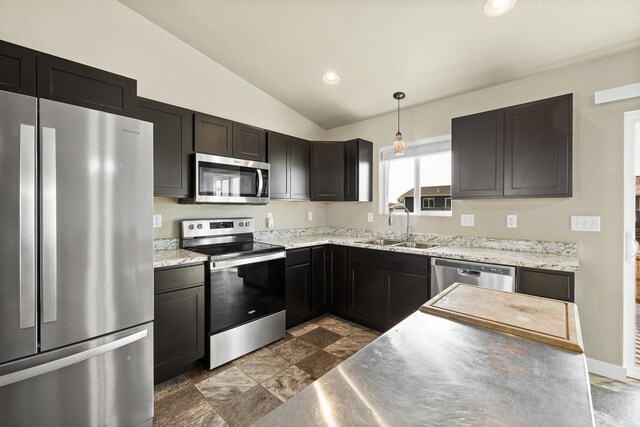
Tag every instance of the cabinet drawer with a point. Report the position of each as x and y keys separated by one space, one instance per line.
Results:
x=173 y=278
x=545 y=283
x=298 y=257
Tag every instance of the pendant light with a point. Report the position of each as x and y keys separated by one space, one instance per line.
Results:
x=398 y=143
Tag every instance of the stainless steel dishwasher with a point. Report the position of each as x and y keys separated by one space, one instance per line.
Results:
x=446 y=272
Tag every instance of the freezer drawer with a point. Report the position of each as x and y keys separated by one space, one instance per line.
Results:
x=103 y=382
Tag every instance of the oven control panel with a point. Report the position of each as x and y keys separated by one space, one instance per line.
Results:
x=216 y=227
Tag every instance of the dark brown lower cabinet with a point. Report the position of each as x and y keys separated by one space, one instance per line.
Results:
x=336 y=278
x=298 y=298
x=385 y=287
x=404 y=294
x=178 y=320
x=545 y=283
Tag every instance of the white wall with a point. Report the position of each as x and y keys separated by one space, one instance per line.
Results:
x=108 y=35
x=597 y=183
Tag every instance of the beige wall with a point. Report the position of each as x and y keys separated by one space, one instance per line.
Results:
x=597 y=183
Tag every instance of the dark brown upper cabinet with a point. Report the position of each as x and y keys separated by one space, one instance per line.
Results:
x=172 y=136
x=477 y=144
x=212 y=135
x=17 y=69
x=538 y=147
x=222 y=137
x=249 y=142
x=73 y=83
x=290 y=160
x=358 y=174
x=327 y=171
x=342 y=171
x=519 y=151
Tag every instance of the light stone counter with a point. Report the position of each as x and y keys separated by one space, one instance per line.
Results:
x=548 y=261
x=430 y=371
x=172 y=257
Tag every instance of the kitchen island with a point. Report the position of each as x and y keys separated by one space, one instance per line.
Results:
x=433 y=371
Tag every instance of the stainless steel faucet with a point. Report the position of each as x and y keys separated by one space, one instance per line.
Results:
x=399 y=206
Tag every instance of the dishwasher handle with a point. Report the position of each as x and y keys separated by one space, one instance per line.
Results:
x=470 y=273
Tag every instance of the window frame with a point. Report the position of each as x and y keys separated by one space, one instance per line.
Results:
x=383 y=185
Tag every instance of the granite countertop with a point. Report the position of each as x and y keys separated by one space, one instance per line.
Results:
x=433 y=371
x=497 y=256
x=171 y=257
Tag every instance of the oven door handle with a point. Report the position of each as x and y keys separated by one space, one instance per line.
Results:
x=247 y=260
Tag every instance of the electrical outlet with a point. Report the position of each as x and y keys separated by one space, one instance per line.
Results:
x=585 y=223
x=270 y=222
x=157 y=221
x=467 y=220
x=310 y=216
x=512 y=221
x=269 y=215
x=370 y=216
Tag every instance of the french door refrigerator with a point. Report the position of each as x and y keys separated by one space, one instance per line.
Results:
x=76 y=266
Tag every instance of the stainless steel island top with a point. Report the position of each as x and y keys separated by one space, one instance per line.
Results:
x=431 y=371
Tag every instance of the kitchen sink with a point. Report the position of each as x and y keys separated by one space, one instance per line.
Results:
x=380 y=242
x=417 y=245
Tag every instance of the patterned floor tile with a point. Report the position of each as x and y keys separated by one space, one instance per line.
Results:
x=262 y=364
x=169 y=387
x=362 y=337
x=288 y=337
x=338 y=326
x=180 y=408
x=295 y=350
x=343 y=348
x=225 y=386
x=320 y=337
x=319 y=363
x=210 y=419
x=200 y=374
x=249 y=407
x=302 y=329
x=288 y=382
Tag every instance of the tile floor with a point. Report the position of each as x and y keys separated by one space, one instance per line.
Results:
x=240 y=392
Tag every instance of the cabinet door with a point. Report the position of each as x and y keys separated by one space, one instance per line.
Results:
x=367 y=295
x=72 y=83
x=537 y=148
x=172 y=136
x=351 y=170
x=337 y=278
x=249 y=143
x=299 y=159
x=178 y=330
x=477 y=152
x=17 y=69
x=279 y=161
x=545 y=283
x=404 y=293
x=327 y=171
x=319 y=280
x=212 y=135
x=298 y=298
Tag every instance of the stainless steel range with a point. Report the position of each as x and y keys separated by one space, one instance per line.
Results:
x=245 y=286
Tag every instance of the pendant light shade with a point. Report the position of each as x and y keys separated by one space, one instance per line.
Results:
x=398 y=142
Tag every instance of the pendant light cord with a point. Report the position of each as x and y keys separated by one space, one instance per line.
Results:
x=398 y=115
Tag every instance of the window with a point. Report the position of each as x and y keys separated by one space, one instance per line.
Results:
x=422 y=173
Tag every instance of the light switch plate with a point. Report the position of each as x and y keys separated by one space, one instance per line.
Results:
x=370 y=217
x=157 y=221
x=467 y=220
x=310 y=216
x=585 y=223
x=512 y=221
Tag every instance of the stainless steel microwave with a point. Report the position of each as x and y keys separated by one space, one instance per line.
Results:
x=227 y=180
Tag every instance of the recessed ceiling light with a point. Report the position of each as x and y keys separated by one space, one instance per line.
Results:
x=331 y=78
x=498 y=7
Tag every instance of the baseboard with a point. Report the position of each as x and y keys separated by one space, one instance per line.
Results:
x=605 y=369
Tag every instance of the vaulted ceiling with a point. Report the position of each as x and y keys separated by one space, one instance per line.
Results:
x=429 y=49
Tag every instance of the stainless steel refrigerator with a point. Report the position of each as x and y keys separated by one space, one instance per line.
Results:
x=76 y=266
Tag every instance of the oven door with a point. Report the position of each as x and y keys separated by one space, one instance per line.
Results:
x=227 y=180
x=245 y=289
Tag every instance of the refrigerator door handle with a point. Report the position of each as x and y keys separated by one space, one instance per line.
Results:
x=27 y=208
x=54 y=365
x=49 y=226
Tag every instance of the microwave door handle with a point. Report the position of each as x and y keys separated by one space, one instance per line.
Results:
x=260 y=183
